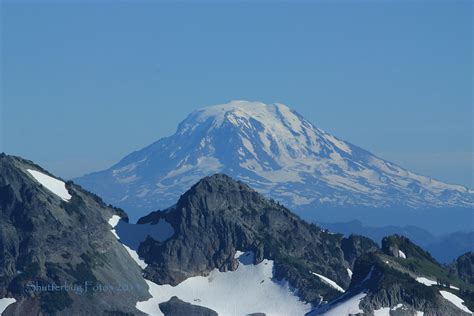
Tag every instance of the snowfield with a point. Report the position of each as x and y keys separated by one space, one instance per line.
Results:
x=457 y=301
x=384 y=311
x=56 y=186
x=426 y=281
x=5 y=302
x=249 y=289
x=447 y=295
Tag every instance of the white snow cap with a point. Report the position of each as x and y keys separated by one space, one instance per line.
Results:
x=56 y=186
x=277 y=152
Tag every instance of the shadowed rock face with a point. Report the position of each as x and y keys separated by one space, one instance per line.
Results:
x=45 y=240
x=390 y=279
x=387 y=284
x=464 y=267
x=218 y=216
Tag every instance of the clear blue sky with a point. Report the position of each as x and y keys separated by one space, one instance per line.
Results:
x=85 y=84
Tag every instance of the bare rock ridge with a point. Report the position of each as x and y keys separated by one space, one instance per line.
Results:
x=45 y=240
x=219 y=216
x=463 y=267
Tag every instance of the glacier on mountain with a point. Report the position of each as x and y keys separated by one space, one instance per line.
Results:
x=274 y=150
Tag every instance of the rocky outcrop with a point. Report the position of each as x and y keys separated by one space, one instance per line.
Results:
x=400 y=246
x=388 y=286
x=463 y=267
x=176 y=307
x=390 y=280
x=354 y=246
x=219 y=216
x=48 y=244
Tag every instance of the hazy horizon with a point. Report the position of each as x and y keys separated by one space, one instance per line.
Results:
x=79 y=92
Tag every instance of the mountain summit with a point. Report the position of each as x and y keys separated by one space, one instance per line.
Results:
x=279 y=153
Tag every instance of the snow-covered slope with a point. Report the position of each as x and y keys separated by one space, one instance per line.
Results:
x=458 y=302
x=276 y=151
x=249 y=289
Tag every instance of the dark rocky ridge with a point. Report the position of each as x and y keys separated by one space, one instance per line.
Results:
x=45 y=240
x=219 y=216
x=393 y=280
x=463 y=267
x=176 y=307
x=390 y=286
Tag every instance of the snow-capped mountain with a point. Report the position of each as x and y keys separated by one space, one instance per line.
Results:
x=276 y=151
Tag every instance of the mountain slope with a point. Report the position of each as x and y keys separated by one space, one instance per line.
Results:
x=57 y=249
x=222 y=248
x=402 y=279
x=230 y=246
x=282 y=155
x=219 y=217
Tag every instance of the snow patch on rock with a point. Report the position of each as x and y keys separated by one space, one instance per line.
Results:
x=384 y=311
x=56 y=186
x=456 y=300
x=329 y=282
x=349 y=272
x=5 y=302
x=426 y=281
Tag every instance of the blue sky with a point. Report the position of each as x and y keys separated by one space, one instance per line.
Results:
x=85 y=84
